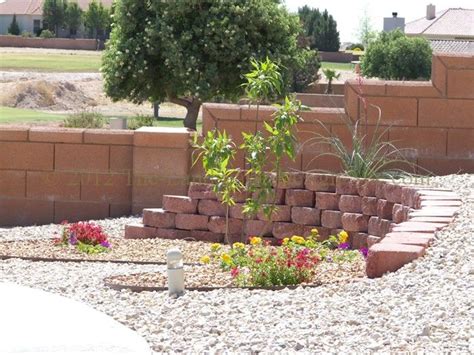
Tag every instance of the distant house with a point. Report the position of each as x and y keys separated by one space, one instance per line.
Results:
x=29 y=14
x=450 y=30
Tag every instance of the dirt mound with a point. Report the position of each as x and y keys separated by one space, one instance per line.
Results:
x=48 y=95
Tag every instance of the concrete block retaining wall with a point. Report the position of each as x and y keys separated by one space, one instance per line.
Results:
x=49 y=175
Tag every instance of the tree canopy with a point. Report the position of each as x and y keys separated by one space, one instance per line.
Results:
x=96 y=18
x=73 y=17
x=54 y=12
x=398 y=57
x=320 y=29
x=189 y=52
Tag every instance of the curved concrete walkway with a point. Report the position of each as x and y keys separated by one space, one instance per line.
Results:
x=34 y=321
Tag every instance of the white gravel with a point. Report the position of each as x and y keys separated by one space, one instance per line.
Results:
x=426 y=306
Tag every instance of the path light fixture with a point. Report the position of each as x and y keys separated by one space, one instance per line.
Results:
x=174 y=259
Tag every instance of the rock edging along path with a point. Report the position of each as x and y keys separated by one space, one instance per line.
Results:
x=395 y=221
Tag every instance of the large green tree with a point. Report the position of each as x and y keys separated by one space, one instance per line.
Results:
x=73 y=17
x=396 y=56
x=191 y=51
x=54 y=14
x=97 y=18
x=320 y=29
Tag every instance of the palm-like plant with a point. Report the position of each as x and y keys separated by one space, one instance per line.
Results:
x=330 y=74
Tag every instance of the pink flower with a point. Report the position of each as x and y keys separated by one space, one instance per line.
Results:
x=234 y=272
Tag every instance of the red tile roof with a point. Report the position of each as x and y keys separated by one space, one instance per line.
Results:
x=35 y=7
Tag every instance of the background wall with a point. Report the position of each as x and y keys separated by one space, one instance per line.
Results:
x=57 y=43
x=49 y=175
x=435 y=119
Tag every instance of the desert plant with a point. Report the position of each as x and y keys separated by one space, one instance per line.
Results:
x=395 y=56
x=367 y=156
x=330 y=75
x=47 y=34
x=217 y=152
x=139 y=121
x=86 y=119
x=14 y=29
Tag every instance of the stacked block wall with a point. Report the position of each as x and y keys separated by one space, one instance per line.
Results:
x=433 y=119
x=50 y=175
x=395 y=222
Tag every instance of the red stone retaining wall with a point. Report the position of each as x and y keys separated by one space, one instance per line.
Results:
x=397 y=222
x=56 y=43
x=434 y=119
x=49 y=175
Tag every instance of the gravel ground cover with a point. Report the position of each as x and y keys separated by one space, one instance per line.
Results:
x=426 y=306
x=132 y=250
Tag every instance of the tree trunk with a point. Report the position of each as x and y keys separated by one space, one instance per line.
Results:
x=156 y=110
x=193 y=105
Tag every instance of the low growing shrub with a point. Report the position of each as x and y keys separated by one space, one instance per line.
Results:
x=140 y=121
x=85 y=119
x=292 y=263
x=47 y=34
x=87 y=237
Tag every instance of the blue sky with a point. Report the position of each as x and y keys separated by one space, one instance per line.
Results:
x=347 y=13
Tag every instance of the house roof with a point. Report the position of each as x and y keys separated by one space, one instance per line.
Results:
x=35 y=7
x=451 y=22
x=441 y=46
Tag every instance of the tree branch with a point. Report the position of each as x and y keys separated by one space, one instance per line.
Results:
x=181 y=101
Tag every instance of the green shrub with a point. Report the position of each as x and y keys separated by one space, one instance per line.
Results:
x=140 y=121
x=307 y=65
x=27 y=34
x=85 y=120
x=47 y=34
x=356 y=46
x=395 y=56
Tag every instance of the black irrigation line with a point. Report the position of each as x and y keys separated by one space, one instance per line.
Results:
x=72 y=260
x=120 y=287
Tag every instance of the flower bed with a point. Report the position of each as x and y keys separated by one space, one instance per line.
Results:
x=298 y=261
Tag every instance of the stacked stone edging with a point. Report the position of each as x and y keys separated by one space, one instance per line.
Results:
x=395 y=222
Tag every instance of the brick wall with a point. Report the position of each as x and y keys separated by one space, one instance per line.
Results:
x=49 y=175
x=435 y=119
x=56 y=43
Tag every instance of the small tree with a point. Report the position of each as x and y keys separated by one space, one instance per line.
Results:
x=320 y=28
x=73 y=17
x=366 y=32
x=396 y=56
x=96 y=18
x=54 y=12
x=14 y=29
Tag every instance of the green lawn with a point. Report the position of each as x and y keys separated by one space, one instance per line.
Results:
x=17 y=115
x=51 y=62
x=337 y=66
x=10 y=115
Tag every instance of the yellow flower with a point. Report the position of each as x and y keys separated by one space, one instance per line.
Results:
x=239 y=245
x=297 y=239
x=205 y=259
x=314 y=231
x=255 y=240
x=343 y=236
x=226 y=259
x=215 y=247
x=285 y=241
